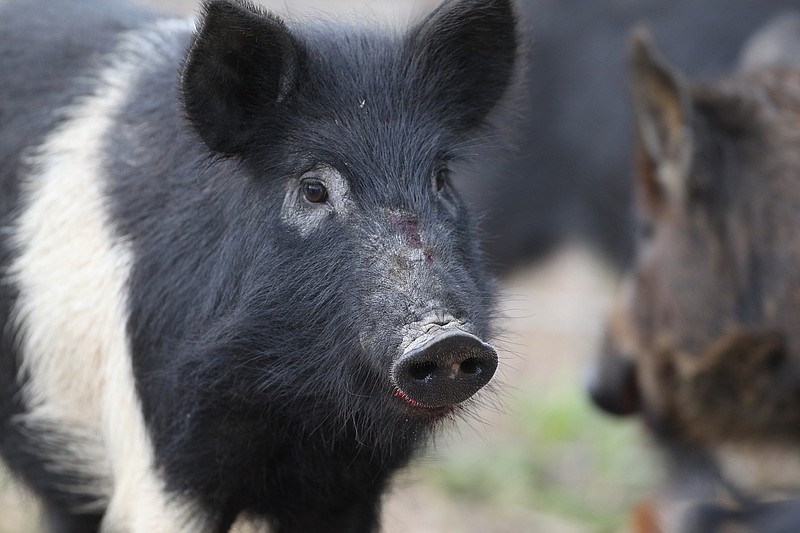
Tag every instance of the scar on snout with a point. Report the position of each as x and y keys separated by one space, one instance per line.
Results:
x=409 y=227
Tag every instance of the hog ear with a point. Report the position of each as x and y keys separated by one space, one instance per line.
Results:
x=465 y=53
x=242 y=63
x=663 y=108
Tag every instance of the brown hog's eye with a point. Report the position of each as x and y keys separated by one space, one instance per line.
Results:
x=314 y=191
x=441 y=176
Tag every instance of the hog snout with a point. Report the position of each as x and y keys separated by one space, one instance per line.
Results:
x=444 y=368
x=613 y=385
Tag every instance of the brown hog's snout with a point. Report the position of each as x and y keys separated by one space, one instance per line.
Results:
x=613 y=385
x=444 y=369
x=613 y=380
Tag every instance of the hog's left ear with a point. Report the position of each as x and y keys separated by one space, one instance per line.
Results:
x=664 y=111
x=465 y=54
x=241 y=65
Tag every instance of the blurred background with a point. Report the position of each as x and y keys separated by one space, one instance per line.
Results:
x=556 y=218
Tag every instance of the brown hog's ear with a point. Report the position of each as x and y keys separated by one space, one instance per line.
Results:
x=242 y=63
x=465 y=54
x=662 y=103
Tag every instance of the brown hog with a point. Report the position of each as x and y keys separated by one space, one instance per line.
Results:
x=704 y=342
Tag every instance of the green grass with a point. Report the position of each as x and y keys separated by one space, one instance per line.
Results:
x=554 y=454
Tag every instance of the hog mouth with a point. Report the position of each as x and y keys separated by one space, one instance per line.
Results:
x=421 y=409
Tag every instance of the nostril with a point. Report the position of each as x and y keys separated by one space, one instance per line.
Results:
x=423 y=371
x=471 y=366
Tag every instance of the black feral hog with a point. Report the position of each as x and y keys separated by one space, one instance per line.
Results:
x=236 y=278
x=705 y=343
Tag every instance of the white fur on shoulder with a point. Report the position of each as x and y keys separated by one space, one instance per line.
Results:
x=72 y=271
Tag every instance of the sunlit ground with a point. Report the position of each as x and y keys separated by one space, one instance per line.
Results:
x=545 y=461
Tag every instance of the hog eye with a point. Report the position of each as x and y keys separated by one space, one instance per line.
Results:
x=441 y=175
x=314 y=191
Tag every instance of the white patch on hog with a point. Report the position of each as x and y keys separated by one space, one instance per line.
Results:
x=72 y=273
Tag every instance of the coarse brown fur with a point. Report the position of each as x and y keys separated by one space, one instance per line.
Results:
x=703 y=342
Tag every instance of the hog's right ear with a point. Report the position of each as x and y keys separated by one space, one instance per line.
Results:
x=242 y=63
x=464 y=55
x=663 y=108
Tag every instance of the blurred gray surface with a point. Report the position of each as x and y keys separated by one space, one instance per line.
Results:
x=387 y=10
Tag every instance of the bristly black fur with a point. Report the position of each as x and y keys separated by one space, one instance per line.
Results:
x=260 y=353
